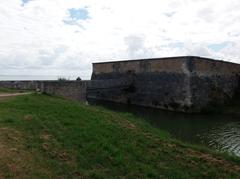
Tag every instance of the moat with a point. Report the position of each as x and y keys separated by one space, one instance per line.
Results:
x=217 y=131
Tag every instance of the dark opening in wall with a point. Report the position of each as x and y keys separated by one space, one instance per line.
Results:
x=130 y=89
x=128 y=101
x=155 y=103
x=165 y=106
x=174 y=105
x=131 y=72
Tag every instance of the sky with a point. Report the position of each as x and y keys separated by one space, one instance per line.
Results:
x=64 y=37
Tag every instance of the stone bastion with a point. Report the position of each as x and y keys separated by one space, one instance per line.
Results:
x=187 y=84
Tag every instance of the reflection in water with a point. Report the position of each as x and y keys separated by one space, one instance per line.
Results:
x=221 y=132
x=224 y=137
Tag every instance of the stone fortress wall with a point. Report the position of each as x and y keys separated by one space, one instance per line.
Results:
x=187 y=84
x=73 y=90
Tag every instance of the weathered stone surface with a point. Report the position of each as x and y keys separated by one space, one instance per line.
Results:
x=74 y=90
x=186 y=84
x=21 y=85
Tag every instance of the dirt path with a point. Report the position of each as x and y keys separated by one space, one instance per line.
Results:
x=6 y=95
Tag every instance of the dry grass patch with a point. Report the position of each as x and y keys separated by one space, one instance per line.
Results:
x=15 y=161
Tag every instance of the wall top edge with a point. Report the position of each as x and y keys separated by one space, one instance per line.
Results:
x=169 y=58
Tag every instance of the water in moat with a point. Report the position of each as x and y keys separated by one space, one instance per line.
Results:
x=221 y=132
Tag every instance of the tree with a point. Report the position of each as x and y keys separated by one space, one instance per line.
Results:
x=78 y=79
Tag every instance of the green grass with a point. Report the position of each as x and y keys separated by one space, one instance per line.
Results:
x=48 y=137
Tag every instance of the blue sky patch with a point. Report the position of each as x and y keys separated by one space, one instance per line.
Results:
x=78 y=14
x=218 y=47
x=25 y=2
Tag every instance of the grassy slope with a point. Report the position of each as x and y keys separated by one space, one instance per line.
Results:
x=43 y=137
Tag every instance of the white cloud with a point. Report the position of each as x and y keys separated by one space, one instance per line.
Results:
x=35 y=39
x=136 y=47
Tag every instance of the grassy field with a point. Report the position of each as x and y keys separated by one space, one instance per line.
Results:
x=48 y=137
